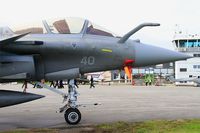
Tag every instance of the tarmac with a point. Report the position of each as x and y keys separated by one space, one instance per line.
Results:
x=118 y=103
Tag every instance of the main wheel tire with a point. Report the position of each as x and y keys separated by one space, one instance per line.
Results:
x=72 y=116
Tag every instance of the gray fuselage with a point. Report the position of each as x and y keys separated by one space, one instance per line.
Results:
x=89 y=53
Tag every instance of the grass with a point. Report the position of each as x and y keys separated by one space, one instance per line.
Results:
x=156 y=126
x=33 y=131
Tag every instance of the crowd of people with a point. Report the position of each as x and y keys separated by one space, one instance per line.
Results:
x=56 y=84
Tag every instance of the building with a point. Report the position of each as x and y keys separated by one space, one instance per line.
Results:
x=187 y=44
x=159 y=71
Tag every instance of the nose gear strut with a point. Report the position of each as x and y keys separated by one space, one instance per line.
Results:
x=72 y=114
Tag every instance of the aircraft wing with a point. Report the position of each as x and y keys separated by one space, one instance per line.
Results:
x=12 y=39
x=197 y=80
x=194 y=79
x=186 y=79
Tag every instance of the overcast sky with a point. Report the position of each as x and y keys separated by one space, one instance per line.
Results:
x=119 y=16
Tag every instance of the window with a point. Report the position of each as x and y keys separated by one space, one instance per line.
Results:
x=192 y=43
x=189 y=43
x=66 y=25
x=182 y=43
x=196 y=66
x=183 y=82
x=196 y=55
x=183 y=69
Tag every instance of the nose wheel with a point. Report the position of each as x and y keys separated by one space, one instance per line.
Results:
x=72 y=116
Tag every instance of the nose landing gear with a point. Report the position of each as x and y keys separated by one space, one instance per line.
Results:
x=72 y=114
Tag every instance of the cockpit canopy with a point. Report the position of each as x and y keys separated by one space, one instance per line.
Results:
x=66 y=26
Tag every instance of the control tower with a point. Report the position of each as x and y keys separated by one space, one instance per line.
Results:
x=188 y=44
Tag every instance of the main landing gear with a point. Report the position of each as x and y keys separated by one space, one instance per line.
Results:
x=72 y=114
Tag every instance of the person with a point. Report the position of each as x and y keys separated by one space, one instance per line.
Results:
x=36 y=85
x=146 y=80
x=61 y=84
x=150 y=81
x=56 y=84
x=52 y=84
x=92 y=82
x=75 y=83
x=25 y=86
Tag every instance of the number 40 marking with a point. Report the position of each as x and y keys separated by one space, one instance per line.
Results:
x=88 y=60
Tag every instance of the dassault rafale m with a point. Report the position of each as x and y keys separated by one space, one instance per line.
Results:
x=64 y=49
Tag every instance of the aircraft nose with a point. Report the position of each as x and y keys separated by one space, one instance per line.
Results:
x=146 y=55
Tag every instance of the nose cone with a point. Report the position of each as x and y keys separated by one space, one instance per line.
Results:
x=146 y=55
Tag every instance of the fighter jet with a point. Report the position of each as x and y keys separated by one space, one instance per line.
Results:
x=70 y=48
